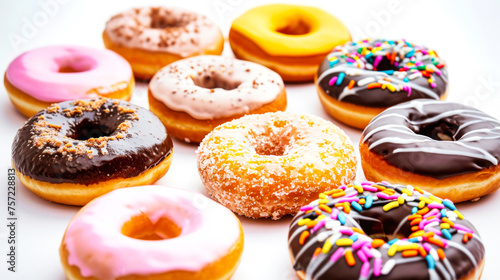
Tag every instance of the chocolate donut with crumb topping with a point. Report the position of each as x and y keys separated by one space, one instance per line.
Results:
x=74 y=151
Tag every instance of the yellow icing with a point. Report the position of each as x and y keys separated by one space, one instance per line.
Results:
x=322 y=31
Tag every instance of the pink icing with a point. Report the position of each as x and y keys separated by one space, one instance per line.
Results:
x=36 y=73
x=97 y=247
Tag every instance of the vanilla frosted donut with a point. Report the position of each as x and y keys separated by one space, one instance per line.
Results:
x=40 y=77
x=152 y=232
x=152 y=37
x=194 y=95
x=268 y=165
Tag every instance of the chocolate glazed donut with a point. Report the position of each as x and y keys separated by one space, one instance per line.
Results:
x=448 y=146
x=88 y=142
x=369 y=76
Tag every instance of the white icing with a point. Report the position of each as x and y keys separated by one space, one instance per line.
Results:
x=419 y=105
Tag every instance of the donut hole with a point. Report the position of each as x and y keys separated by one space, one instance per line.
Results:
x=274 y=140
x=442 y=130
x=141 y=227
x=86 y=129
x=385 y=64
x=166 y=20
x=294 y=27
x=74 y=64
x=216 y=80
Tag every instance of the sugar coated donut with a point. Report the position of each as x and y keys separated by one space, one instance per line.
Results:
x=152 y=232
x=152 y=37
x=359 y=80
x=47 y=75
x=269 y=165
x=290 y=39
x=74 y=151
x=380 y=231
x=194 y=95
x=449 y=149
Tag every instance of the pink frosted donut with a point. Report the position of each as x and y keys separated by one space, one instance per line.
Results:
x=152 y=232
x=47 y=75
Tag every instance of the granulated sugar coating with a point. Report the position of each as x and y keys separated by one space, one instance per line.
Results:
x=269 y=165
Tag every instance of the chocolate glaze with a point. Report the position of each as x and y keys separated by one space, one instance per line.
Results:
x=410 y=136
x=384 y=225
x=89 y=141
x=377 y=97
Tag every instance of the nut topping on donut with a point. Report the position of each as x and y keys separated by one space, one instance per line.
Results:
x=85 y=140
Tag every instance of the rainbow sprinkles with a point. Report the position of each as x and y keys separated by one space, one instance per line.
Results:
x=432 y=234
x=395 y=66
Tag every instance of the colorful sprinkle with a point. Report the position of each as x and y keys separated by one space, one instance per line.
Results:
x=377 y=243
x=344 y=242
x=303 y=236
x=388 y=266
x=340 y=79
x=337 y=255
x=341 y=218
x=349 y=258
x=377 y=267
x=365 y=269
x=390 y=205
x=333 y=80
x=356 y=206
x=446 y=233
x=430 y=262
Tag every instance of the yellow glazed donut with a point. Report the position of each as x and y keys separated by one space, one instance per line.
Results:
x=152 y=37
x=152 y=233
x=290 y=39
x=268 y=165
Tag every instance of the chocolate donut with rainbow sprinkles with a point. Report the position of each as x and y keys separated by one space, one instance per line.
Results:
x=381 y=231
x=359 y=80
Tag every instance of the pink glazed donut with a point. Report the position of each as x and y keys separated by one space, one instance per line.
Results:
x=152 y=232
x=53 y=74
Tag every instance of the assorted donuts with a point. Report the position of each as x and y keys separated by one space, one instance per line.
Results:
x=194 y=95
x=152 y=232
x=381 y=231
x=37 y=78
x=84 y=144
x=268 y=165
x=289 y=39
x=359 y=80
x=75 y=151
x=446 y=148
x=152 y=37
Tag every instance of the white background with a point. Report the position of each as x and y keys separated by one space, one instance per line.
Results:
x=465 y=34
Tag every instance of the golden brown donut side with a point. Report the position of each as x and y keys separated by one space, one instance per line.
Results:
x=181 y=125
x=457 y=188
x=146 y=63
x=29 y=105
x=216 y=270
x=302 y=69
x=80 y=194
